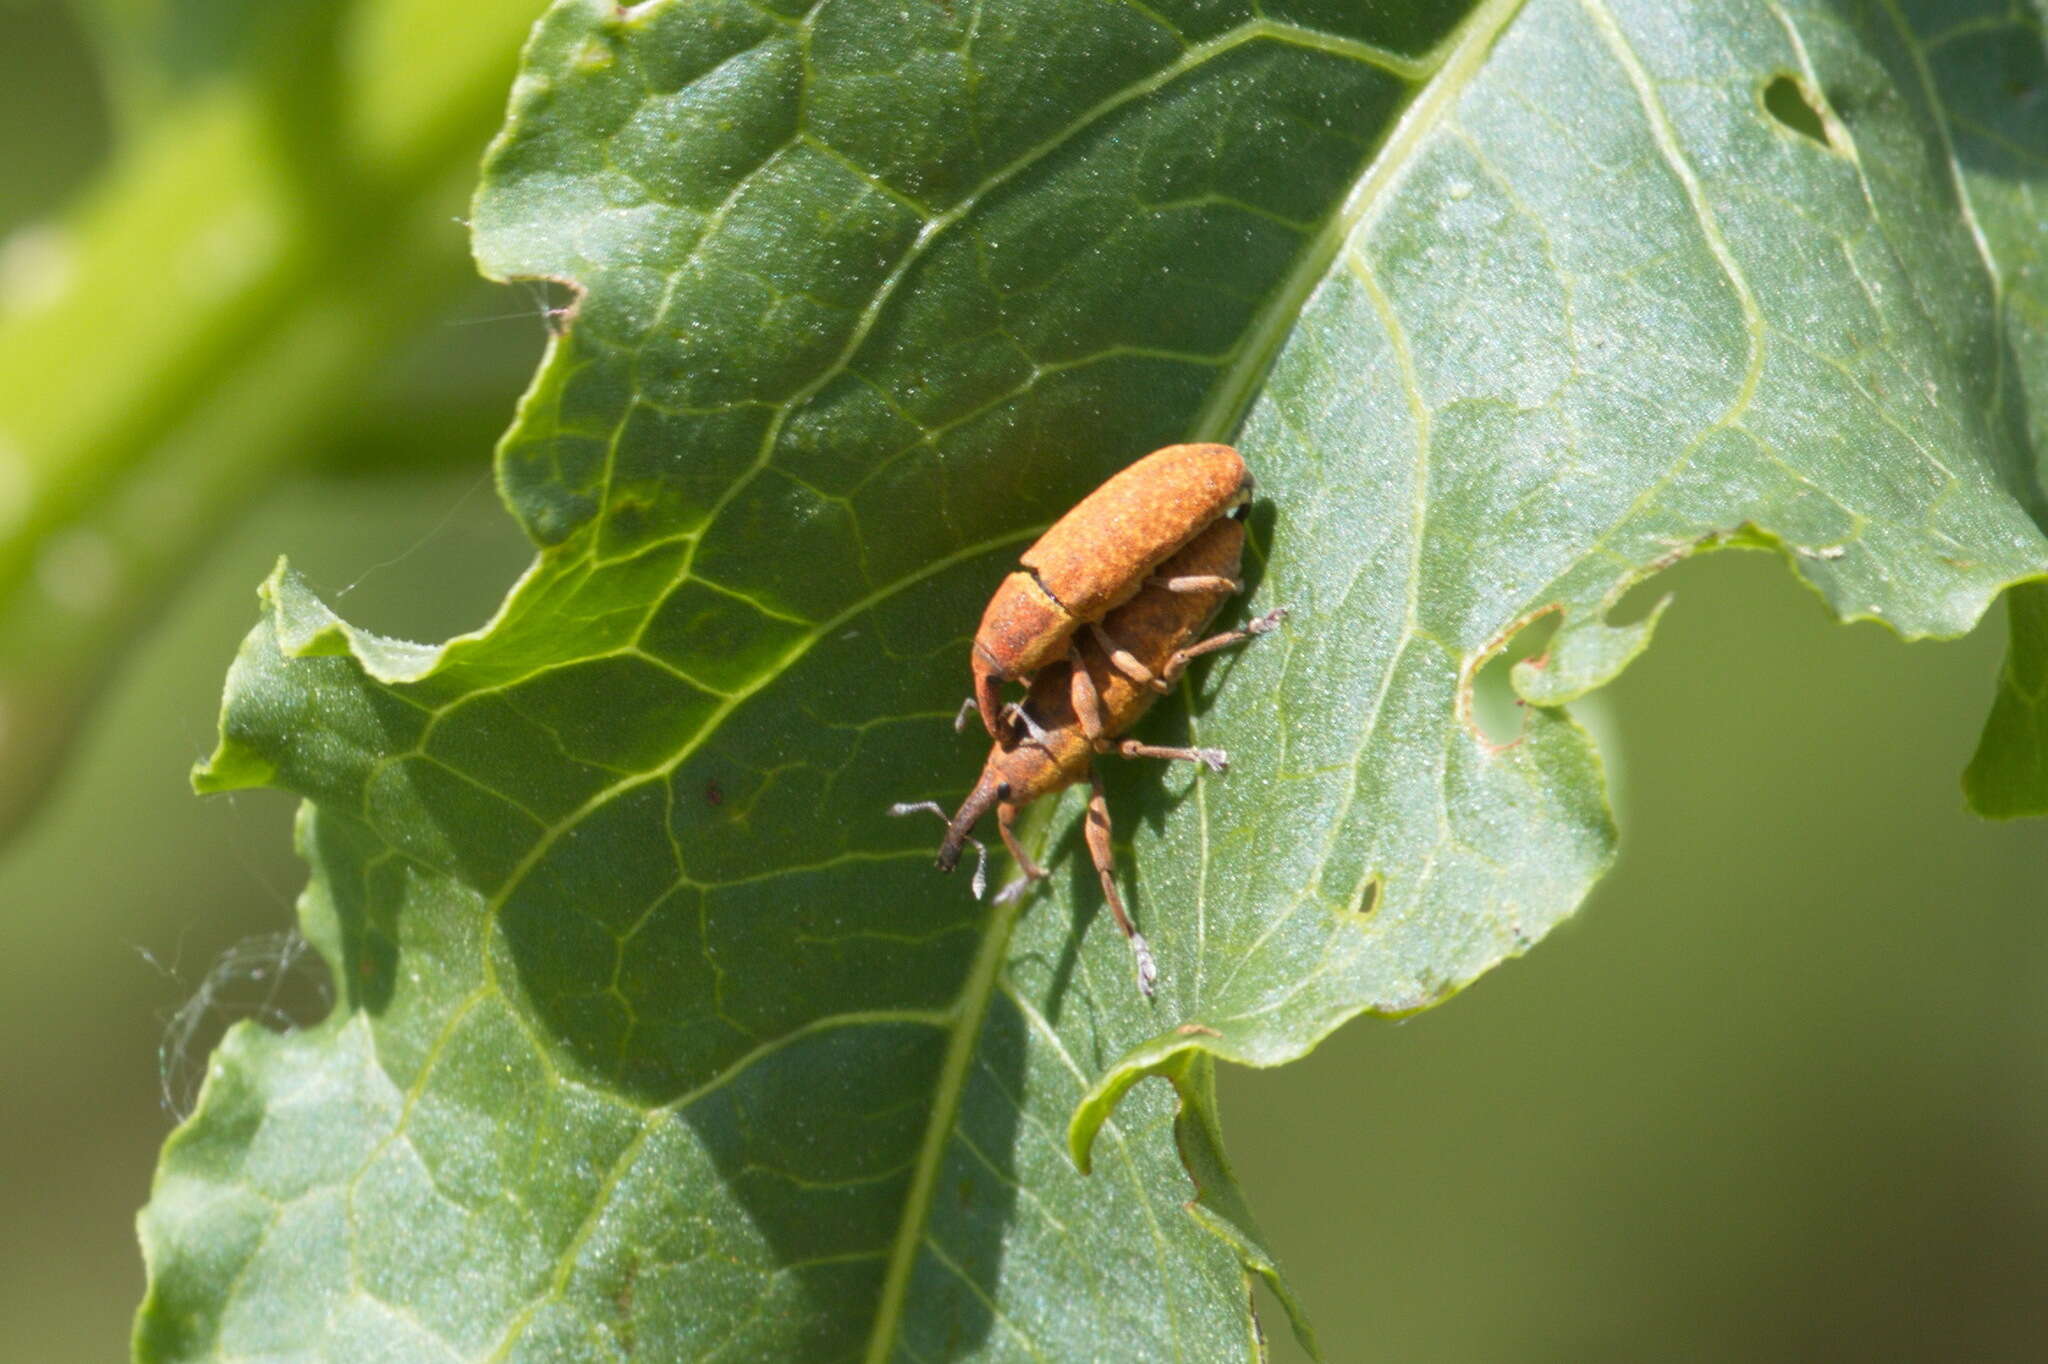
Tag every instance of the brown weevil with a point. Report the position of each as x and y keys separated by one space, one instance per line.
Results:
x=1094 y=559
x=1078 y=706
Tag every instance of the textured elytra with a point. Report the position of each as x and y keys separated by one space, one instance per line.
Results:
x=661 y=1040
x=1096 y=557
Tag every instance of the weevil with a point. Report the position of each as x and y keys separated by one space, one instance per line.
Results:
x=1095 y=558
x=1078 y=707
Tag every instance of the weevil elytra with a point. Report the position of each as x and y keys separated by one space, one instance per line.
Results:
x=1078 y=707
x=1094 y=559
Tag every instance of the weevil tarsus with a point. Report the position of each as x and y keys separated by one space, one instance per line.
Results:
x=1215 y=759
x=1148 y=970
x=1197 y=582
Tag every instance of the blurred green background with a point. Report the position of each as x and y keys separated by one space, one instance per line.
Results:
x=1778 y=1093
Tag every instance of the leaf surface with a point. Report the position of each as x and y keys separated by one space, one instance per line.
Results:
x=1993 y=71
x=661 y=1040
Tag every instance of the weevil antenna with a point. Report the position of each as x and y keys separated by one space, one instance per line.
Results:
x=911 y=807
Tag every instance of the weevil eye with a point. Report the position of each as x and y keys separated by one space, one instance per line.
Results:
x=1002 y=790
x=1242 y=510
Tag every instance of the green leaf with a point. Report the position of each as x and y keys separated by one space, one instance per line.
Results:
x=1992 y=71
x=1563 y=354
x=660 y=1040
x=2008 y=775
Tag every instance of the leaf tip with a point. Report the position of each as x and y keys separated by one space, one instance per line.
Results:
x=231 y=767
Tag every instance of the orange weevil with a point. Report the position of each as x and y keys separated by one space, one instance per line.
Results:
x=1094 y=559
x=1079 y=706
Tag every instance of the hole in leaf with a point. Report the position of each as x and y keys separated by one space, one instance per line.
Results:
x=1496 y=710
x=1368 y=896
x=1787 y=102
x=1639 y=600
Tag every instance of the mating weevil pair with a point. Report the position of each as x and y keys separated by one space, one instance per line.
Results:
x=1101 y=620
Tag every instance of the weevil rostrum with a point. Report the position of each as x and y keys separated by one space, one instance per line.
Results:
x=1079 y=706
x=1094 y=559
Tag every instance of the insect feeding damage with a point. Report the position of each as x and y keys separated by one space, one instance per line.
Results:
x=1094 y=559
x=1108 y=677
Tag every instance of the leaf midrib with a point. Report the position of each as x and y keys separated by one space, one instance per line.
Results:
x=1443 y=79
x=970 y=1008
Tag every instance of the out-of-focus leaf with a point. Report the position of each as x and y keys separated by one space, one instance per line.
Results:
x=661 y=1041
x=2008 y=776
x=156 y=50
x=224 y=295
x=46 y=65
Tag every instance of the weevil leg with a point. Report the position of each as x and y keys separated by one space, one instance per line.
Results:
x=968 y=707
x=1178 y=663
x=1197 y=582
x=911 y=807
x=1215 y=759
x=1085 y=699
x=1006 y=825
x=988 y=698
x=1099 y=851
x=1123 y=660
x=1021 y=718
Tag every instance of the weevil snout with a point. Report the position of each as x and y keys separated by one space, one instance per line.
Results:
x=986 y=793
x=912 y=807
